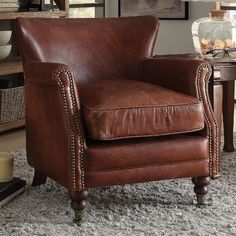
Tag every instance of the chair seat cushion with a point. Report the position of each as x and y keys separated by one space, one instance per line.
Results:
x=117 y=109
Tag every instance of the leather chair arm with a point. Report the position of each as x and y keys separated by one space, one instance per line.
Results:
x=58 y=75
x=189 y=76
x=43 y=73
x=51 y=88
x=174 y=73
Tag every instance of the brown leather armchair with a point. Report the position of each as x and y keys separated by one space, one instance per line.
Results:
x=100 y=111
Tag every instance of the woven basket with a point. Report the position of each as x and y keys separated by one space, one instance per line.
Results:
x=12 y=104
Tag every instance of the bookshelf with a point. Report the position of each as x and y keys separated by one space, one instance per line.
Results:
x=13 y=65
x=48 y=14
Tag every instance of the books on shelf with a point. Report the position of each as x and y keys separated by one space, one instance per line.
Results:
x=10 y=190
x=9 y=9
x=10 y=1
x=9 y=6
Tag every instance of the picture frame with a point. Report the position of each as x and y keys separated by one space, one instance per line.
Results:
x=163 y=9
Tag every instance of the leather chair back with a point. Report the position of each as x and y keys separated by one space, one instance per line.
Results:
x=93 y=49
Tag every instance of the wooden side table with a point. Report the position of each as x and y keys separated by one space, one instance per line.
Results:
x=225 y=75
x=222 y=94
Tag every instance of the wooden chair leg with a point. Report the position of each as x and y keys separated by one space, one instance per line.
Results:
x=39 y=178
x=201 y=189
x=79 y=203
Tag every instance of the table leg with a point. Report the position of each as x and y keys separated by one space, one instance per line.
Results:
x=217 y=105
x=228 y=115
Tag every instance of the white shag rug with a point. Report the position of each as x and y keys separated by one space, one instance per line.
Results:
x=157 y=208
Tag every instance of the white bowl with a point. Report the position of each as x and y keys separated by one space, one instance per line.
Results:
x=5 y=37
x=6 y=27
x=5 y=51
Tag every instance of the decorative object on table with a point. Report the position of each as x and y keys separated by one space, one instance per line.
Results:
x=163 y=9
x=9 y=6
x=214 y=37
x=9 y=187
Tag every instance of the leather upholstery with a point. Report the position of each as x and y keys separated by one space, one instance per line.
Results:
x=76 y=53
x=147 y=173
x=80 y=48
x=137 y=109
x=124 y=154
x=47 y=147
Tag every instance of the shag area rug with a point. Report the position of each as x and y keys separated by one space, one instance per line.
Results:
x=157 y=208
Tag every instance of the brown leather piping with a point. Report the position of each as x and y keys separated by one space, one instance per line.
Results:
x=146 y=166
x=146 y=107
x=148 y=135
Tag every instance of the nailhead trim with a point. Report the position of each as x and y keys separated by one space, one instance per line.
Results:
x=77 y=123
x=213 y=171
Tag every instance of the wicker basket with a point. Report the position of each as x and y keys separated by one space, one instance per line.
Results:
x=12 y=104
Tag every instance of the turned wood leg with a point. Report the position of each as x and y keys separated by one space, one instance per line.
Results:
x=228 y=115
x=201 y=189
x=79 y=203
x=39 y=178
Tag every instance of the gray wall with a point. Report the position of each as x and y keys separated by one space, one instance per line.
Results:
x=174 y=35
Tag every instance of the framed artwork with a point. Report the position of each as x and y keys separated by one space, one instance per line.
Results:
x=163 y=9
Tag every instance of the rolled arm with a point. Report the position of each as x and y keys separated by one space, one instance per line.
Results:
x=54 y=130
x=189 y=76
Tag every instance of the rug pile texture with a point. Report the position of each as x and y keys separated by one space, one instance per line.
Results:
x=156 y=208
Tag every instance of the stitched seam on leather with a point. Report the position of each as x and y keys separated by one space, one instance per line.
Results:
x=75 y=118
x=152 y=135
x=148 y=107
x=146 y=166
x=212 y=171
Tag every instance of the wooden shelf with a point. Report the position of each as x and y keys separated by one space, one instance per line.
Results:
x=14 y=65
x=12 y=125
x=48 y=14
x=11 y=66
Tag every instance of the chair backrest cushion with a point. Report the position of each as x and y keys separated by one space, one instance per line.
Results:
x=109 y=48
